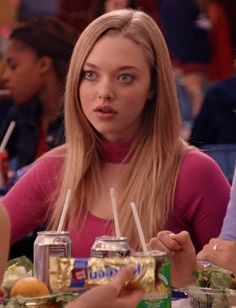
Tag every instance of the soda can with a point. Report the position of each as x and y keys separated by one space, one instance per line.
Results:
x=49 y=243
x=110 y=246
x=160 y=297
x=3 y=169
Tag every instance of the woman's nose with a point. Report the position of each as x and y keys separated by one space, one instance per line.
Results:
x=105 y=96
x=106 y=91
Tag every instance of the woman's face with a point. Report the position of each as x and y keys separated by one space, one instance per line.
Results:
x=23 y=72
x=111 y=5
x=114 y=88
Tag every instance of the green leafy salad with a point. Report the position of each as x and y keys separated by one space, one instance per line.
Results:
x=215 y=288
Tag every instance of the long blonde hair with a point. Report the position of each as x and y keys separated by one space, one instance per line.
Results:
x=151 y=174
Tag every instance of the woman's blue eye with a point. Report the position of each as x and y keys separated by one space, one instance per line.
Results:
x=90 y=75
x=126 y=78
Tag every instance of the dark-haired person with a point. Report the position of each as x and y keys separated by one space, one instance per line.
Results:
x=37 y=60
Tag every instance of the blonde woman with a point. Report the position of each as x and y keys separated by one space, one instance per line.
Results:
x=122 y=127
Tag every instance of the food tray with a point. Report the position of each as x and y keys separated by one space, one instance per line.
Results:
x=211 y=298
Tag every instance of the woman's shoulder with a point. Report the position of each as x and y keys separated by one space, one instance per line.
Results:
x=196 y=158
x=200 y=178
x=50 y=163
x=198 y=164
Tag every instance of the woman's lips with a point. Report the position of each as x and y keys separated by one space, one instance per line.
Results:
x=105 y=112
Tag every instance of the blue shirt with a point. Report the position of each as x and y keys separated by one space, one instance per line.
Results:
x=228 y=231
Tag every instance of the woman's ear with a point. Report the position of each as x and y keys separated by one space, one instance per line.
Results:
x=46 y=64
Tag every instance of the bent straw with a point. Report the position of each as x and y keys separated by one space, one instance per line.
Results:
x=7 y=136
x=64 y=211
x=139 y=228
x=115 y=212
x=5 y=92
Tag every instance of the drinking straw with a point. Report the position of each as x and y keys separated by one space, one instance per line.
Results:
x=64 y=211
x=139 y=228
x=7 y=136
x=115 y=212
x=5 y=92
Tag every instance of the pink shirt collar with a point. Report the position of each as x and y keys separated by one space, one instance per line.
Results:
x=114 y=152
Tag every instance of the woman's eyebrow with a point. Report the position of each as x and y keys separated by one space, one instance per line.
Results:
x=120 y=68
x=90 y=65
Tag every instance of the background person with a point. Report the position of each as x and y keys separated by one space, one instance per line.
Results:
x=99 y=7
x=228 y=228
x=37 y=60
x=188 y=41
x=189 y=45
x=221 y=64
x=220 y=252
x=216 y=121
x=74 y=13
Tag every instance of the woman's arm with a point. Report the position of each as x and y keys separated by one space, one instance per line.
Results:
x=28 y=201
x=4 y=239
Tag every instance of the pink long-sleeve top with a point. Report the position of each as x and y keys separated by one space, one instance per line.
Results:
x=201 y=198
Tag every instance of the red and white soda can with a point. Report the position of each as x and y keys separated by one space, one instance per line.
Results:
x=3 y=169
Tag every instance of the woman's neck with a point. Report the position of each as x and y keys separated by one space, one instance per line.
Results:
x=51 y=99
x=114 y=152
